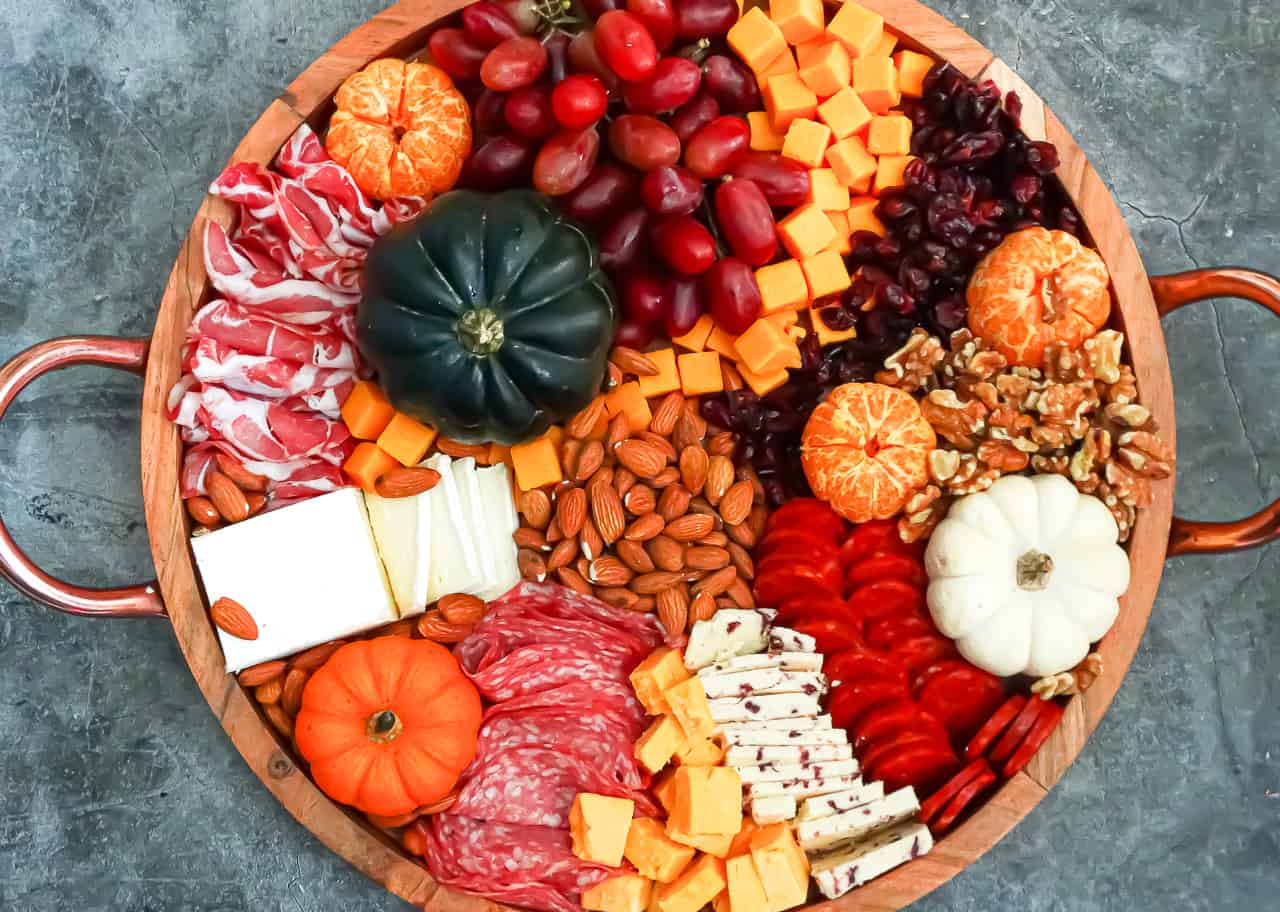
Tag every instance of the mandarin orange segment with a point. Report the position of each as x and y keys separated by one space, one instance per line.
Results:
x=866 y=450
x=400 y=129
x=1038 y=288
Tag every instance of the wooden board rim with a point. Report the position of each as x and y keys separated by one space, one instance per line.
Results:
x=401 y=30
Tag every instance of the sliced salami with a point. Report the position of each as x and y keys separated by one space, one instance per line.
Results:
x=537 y=667
x=589 y=736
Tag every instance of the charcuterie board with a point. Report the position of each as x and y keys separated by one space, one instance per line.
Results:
x=784 y=672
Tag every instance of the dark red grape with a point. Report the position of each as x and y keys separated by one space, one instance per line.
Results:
x=697 y=19
x=487 y=24
x=716 y=148
x=673 y=82
x=693 y=115
x=579 y=101
x=597 y=8
x=684 y=306
x=488 y=113
x=514 y=64
x=659 y=17
x=501 y=163
x=644 y=299
x=455 y=53
x=528 y=112
x=671 y=190
x=586 y=59
x=785 y=183
x=565 y=161
x=634 y=335
x=608 y=187
x=733 y=295
x=557 y=45
x=684 y=244
x=746 y=221
x=626 y=45
x=643 y=142
x=732 y=84
x=625 y=240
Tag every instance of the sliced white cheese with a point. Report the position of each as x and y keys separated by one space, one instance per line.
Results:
x=307 y=574
x=769 y=706
x=502 y=521
x=821 y=833
x=787 y=661
x=774 y=809
x=743 y=684
x=803 y=788
x=823 y=722
x=729 y=632
x=827 y=805
x=402 y=529
x=838 y=873
x=740 y=755
x=797 y=772
x=482 y=537
x=784 y=639
x=455 y=566
x=782 y=732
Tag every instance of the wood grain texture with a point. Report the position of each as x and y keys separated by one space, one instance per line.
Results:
x=401 y=30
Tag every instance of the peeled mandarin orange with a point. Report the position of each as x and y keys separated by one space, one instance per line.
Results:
x=401 y=129
x=1039 y=287
x=866 y=450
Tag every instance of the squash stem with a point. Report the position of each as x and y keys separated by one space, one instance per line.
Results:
x=480 y=331
x=383 y=727
x=1034 y=569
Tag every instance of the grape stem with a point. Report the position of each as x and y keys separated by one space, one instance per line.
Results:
x=556 y=15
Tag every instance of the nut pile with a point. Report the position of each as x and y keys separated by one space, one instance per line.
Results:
x=1077 y=416
x=657 y=519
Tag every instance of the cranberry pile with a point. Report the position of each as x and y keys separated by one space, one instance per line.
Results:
x=630 y=117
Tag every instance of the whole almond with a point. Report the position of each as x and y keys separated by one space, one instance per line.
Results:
x=674 y=503
x=723 y=602
x=609 y=571
x=535 y=507
x=583 y=566
x=406 y=482
x=202 y=510
x=257 y=503
x=613 y=376
x=606 y=510
x=403 y=629
x=524 y=537
x=640 y=500
x=644 y=528
x=694 y=463
x=632 y=362
x=740 y=592
x=667 y=414
x=722 y=444
x=291 y=693
x=742 y=561
x=244 y=479
x=690 y=527
x=316 y=656
x=662 y=443
x=531 y=565
x=673 y=610
x=263 y=672
x=573 y=579
x=603 y=476
x=719 y=479
x=702 y=608
x=583 y=423
x=618 y=597
x=571 y=511
x=653 y=583
x=667 y=554
x=623 y=480
x=590 y=542
x=641 y=457
x=757 y=520
x=553 y=533
x=644 y=604
x=689 y=429
x=461 y=608
x=619 y=430
x=735 y=506
x=700 y=506
x=742 y=534
x=706 y=558
x=717 y=582
x=589 y=460
x=714 y=540
x=227 y=497
x=748 y=474
x=668 y=476
x=269 y=692
x=433 y=626
x=562 y=554
x=279 y=719
x=731 y=377
x=233 y=619
x=634 y=555
x=456 y=449
x=569 y=451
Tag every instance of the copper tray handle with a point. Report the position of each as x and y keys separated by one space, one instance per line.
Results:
x=15 y=566
x=1173 y=292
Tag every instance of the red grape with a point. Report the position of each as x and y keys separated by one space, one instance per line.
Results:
x=501 y=163
x=659 y=17
x=514 y=64
x=565 y=161
x=633 y=335
x=785 y=183
x=643 y=142
x=684 y=244
x=644 y=299
x=455 y=53
x=693 y=115
x=717 y=147
x=732 y=84
x=487 y=24
x=557 y=45
x=733 y=294
x=607 y=188
x=488 y=114
x=528 y=112
x=626 y=45
x=586 y=59
x=671 y=190
x=746 y=221
x=705 y=18
x=625 y=240
x=684 y=306
x=597 y=8
x=579 y=101
x=674 y=81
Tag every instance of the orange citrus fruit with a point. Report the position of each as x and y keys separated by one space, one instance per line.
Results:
x=1039 y=287
x=866 y=450
x=401 y=129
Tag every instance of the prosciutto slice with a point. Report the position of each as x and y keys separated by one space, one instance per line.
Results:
x=321 y=389
x=253 y=333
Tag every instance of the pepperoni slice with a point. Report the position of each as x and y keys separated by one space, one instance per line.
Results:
x=799 y=608
x=886 y=565
x=806 y=560
x=886 y=598
x=870 y=537
x=778 y=583
x=1044 y=725
x=1017 y=730
x=886 y=632
x=939 y=799
x=920 y=652
x=921 y=677
x=995 y=726
x=834 y=636
x=963 y=799
x=924 y=767
x=962 y=697
x=800 y=539
x=850 y=701
x=890 y=718
x=807 y=512
x=882 y=750
x=861 y=665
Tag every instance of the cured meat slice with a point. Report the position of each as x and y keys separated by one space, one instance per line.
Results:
x=544 y=666
x=551 y=601
x=257 y=334
x=612 y=700
x=322 y=389
x=594 y=737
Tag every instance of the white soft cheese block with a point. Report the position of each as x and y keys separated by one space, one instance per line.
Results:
x=308 y=573
x=774 y=809
x=402 y=530
x=793 y=772
x=455 y=565
x=741 y=755
x=784 y=639
x=785 y=661
x=804 y=731
x=762 y=681
x=477 y=517
x=503 y=521
x=768 y=706
x=827 y=805
x=729 y=632
x=822 y=833
x=803 y=788
x=838 y=873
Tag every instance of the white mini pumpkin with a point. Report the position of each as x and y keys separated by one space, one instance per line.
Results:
x=1026 y=575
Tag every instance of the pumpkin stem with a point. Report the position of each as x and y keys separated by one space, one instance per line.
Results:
x=480 y=331
x=1034 y=570
x=383 y=727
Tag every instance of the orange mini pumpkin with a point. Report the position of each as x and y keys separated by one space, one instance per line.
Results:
x=866 y=450
x=1039 y=287
x=388 y=724
x=401 y=129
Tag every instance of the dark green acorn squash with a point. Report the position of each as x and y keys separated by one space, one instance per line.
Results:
x=487 y=317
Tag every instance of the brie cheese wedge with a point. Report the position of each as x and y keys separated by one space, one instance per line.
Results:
x=502 y=522
x=402 y=530
x=839 y=872
x=455 y=565
x=477 y=518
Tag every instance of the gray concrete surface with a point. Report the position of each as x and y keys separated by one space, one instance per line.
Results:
x=118 y=790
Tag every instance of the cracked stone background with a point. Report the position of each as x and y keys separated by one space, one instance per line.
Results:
x=118 y=790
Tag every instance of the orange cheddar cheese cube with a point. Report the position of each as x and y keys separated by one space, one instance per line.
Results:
x=700 y=752
x=659 y=743
x=806 y=50
x=757 y=39
x=713 y=844
x=912 y=70
x=890 y=135
x=661 y=669
x=799 y=20
x=629 y=399
x=721 y=902
x=624 y=893
x=806 y=141
x=406 y=440
x=782 y=286
x=844 y=113
x=536 y=463
x=857 y=28
x=653 y=854
x=367 y=463
x=763 y=384
x=783 y=318
x=664 y=787
x=764 y=138
x=827 y=335
x=367 y=411
x=696 y=338
x=687 y=701
x=667 y=379
x=827 y=70
x=806 y=231
x=862 y=216
x=700 y=374
x=763 y=347
x=746 y=891
x=782 y=866
x=826 y=274
x=826 y=192
x=853 y=165
x=741 y=844
x=702 y=882
x=782 y=64
x=875 y=79
x=888 y=41
x=786 y=98
x=721 y=343
x=708 y=801
x=598 y=826
x=891 y=172
x=499 y=454
x=840 y=221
